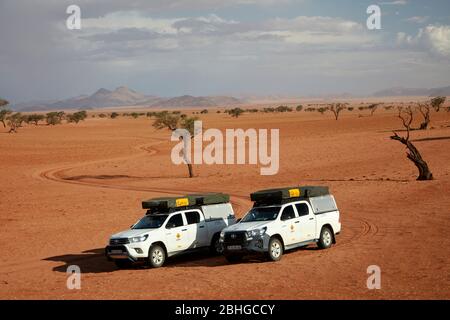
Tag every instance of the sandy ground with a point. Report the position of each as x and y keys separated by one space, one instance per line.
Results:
x=65 y=189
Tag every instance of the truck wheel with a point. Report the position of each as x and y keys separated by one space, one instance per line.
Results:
x=156 y=256
x=216 y=247
x=326 y=238
x=233 y=258
x=123 y=263
x=275 y=249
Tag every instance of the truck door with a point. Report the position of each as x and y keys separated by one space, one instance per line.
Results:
x=288 y=225
x=177 y=237
x=306 y=228
x=197 y=229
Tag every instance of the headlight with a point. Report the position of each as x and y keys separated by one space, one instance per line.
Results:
x=138 y=239
x=222 y=234
x=256 y=233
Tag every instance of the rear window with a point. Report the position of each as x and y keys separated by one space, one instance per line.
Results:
x=192 y=217
x=302 y=209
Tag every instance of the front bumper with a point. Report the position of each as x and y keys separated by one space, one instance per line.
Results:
x=247 y=247
x=123 y=252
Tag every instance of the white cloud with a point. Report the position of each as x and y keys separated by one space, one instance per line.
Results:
x=433 y=38
x=395 y=3
x=418 y=19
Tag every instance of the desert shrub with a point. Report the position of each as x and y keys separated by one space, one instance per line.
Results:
x=310 y=109
x=34 y=118
x=236 y=112
x=269 y=110
x=14 y=121
x=322 y=110
x=183 y=116
x=53 y=118
x=218 y=111
x=176 y=112
x=251 y=110
x=350 y=108
x=204 y=111
x=76 y=117
x=283 y=109
x=437 y=103
x=114 y=115
x=3 y=115
x=299 y=108
x=387 y=108
x=102 y=115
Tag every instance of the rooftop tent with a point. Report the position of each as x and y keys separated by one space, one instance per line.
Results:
x=167 y=203
x=277 y=196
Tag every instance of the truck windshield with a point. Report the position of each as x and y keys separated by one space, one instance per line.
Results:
x=151 y=222
x=261 y=214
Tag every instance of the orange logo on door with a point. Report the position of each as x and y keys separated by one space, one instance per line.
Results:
x=292 y=227
x=178 y=236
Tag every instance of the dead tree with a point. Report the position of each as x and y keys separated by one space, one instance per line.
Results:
x=336 y=108
x=425 y=110
x=413 y=154
x=373 y=108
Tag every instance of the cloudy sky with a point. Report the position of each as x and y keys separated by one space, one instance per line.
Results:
x=205 y=47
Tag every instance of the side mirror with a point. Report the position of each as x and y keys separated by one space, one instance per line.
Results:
x=170 y=225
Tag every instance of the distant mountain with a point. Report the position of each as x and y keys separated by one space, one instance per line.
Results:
x=399 y=91
x=124 y=96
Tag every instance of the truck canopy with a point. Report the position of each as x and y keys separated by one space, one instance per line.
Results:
x=285 y=195
x=166 y=204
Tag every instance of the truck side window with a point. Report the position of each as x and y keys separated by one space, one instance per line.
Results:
x=192 y=217
x=175 y=221
x=288 y=213
x=302 y=209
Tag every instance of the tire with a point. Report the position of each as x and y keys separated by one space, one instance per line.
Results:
x=233 y=258
x=216 y=248
x=156 y=256
x=275 y=249
x=326 y=238
x=123 y=263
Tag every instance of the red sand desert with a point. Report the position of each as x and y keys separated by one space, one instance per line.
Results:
x=66 y=189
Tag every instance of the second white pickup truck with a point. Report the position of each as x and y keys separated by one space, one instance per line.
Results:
x=283 y=219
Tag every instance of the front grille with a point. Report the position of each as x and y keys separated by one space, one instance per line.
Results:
x=233 y=238
x=117 y=241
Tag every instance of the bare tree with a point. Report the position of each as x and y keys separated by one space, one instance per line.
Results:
x=173 y=122
x=373 y=108
x=425 y=110
x=413 y=154
x=336 y=108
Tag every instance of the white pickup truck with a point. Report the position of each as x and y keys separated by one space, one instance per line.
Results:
x=283 y=219
x=172 y=226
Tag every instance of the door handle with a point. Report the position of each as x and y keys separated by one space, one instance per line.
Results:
x=311 y=218
x=201 y=227
x=183 y=229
